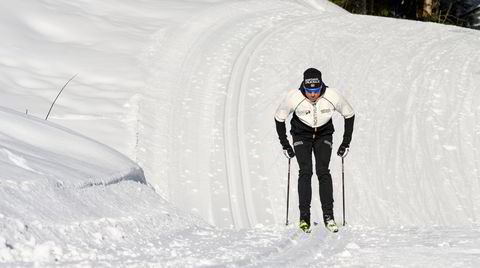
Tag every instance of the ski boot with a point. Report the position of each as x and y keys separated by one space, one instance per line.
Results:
x=304 y=226
x=330 y=223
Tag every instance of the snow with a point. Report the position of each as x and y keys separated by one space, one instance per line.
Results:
x=162 y=150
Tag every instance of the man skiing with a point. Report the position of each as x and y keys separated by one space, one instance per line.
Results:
x=312 y=106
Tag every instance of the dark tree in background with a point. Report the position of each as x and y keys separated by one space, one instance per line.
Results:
x=464 y=13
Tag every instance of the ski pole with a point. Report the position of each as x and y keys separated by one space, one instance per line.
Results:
x=343 y=189
x=288 y=190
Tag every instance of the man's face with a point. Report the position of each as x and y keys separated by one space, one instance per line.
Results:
x=312 y=90
x=312 y=96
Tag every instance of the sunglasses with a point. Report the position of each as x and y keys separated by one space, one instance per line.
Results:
x=312 y=90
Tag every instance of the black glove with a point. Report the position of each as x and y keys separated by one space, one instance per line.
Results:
x=343 y=150
x=288 y=152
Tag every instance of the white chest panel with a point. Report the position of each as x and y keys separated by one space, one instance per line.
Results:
x=315 y=114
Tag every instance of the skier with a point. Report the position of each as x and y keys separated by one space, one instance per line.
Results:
x=312 y=106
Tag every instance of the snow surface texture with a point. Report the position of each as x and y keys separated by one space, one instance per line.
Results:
x=187 y=90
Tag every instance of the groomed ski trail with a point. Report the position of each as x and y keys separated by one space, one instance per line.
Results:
x=211 y=68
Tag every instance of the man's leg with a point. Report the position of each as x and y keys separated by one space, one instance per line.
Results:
x=323 y=151
x=303 y=153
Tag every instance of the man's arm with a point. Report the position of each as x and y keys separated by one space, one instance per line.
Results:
x=282 y=136
x=347 y=134
x=346 y=110
x=282 y=133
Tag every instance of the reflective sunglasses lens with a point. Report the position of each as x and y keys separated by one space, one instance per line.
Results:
x=313 y=90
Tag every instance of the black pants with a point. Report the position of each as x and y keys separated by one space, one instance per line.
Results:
x=322 y=150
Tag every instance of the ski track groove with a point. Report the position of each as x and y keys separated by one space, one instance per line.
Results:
x=190 y=58
x=191 y=46
x=235 y=154
x=234 y=129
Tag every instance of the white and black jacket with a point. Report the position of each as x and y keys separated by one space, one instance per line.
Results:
x=313 y=119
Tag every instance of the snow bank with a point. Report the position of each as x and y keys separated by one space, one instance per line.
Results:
x=34 y=151
x=44 y=169
x=65 y=196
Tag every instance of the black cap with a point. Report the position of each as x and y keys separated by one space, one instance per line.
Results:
x=312 y=78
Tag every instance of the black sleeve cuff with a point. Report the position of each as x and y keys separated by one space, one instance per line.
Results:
x=347 y=134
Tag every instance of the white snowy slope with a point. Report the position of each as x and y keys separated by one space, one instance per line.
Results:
x=182 y=165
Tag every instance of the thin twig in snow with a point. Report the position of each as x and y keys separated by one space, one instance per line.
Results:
x=53 y=103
